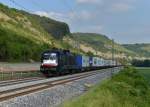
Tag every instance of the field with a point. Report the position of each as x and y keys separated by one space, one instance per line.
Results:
x=127 y=89
x=145 y=72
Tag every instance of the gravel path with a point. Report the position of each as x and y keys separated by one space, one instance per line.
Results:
x=55 y=96
x=16 y=67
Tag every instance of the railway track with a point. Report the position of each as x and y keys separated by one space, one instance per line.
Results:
x=16 y=90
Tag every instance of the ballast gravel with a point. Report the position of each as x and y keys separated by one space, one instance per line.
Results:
x=55 y=96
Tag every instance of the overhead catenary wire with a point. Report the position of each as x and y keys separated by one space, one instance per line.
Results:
x=39 y=6
x=19 y=5
x=73 y=10
x=77 y=17
x=43 y=9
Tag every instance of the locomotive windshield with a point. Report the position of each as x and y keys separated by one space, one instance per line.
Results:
x=50 y=56
x=50 y=59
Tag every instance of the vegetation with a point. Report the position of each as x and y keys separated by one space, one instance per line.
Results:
x=97 y=41
x=141 y=63
x=54 y=28
x=103 y=44
x=145 y=71
x=16 y=48
x=23 y=36
x=141 y=49
x=126 y=89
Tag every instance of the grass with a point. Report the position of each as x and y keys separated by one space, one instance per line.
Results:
x=126 y=89
x=145 y=71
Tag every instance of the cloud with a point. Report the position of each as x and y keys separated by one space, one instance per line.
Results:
x=121 y=7
x=57 y=16
x=96 y=28
x=82 y=15
x=41 y=13
x=89 y=1
x=86 y=15
x=79 y=20
x=53 y=15
x=104 y=16
x=92 y=29
x=79 y=16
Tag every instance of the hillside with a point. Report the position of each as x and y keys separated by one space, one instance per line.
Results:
x=55 y=28
x=24 y=36
x=101 y=45
x=142 y=49
x=98 y=44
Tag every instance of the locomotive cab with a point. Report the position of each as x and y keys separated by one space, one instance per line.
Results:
x=50 y=60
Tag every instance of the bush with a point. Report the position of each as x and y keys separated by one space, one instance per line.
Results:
x=141 y=63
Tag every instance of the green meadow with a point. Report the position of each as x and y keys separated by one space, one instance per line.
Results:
x=145 y=71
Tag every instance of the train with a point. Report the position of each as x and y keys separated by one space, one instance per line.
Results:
x=58 y=62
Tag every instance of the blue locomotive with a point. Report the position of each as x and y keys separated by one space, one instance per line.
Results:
x=59 y=62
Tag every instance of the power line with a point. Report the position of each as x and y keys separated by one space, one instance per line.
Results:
x=39 y=6
x=73 y=10
x=77 y=43
x=113 y=49
x=17 y=4
x=113 y=58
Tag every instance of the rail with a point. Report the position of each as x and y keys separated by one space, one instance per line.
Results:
x=16 y=90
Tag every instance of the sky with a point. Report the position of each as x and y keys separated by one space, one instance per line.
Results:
x=126 y=21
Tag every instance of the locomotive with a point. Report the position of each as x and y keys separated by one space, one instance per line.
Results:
x=57 y=62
